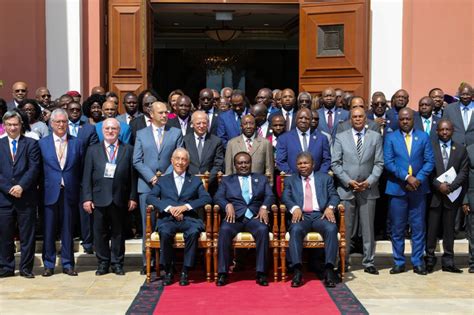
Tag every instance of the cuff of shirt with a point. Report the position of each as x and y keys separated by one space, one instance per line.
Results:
x=293 y=209
x=189 y=206
x=167 y=209
x=406 y=177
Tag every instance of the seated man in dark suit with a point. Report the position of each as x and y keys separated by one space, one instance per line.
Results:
x=246 y=209
x=311 y=198
x=177 y=196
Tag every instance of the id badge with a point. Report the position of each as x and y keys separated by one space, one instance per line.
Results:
x=110 y=170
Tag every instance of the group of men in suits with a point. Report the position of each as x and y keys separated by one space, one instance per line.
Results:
x=408 y=151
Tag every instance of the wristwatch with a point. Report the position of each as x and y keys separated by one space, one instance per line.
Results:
x=331 y=207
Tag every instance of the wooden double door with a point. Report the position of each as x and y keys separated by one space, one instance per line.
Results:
x=333 y=44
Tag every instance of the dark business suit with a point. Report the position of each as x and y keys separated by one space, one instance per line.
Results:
x=88 y=136
x=110 y=197
x=280 y=112
x=230 y=191
x=326 y=195
x=339 y=116
x=289 y=146
x=174 y=122
x=408 y=206
x=461 y=135
x=135 y=125
x=24 y=171
x=433 y=126
x=442 y=210
x=165 y=194
x=391 y=116
x=12 y=105
x=212 y=158
x=228 y=126
x=469 y=200
x=61 y=203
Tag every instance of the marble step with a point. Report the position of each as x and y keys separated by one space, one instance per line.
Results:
x=383 y=255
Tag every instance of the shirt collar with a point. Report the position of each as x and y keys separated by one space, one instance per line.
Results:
x=333 y=110
x=175 y=175
x=355 y=132
x=197 y=137
x=56 y=137
x=311 y=177
x=155 y=127
x=252 y=138
x=77 y=123
x=183 y=120
x=405 y=134
x=11 y=139
x=107 y=144
x=287 y=111
x=300 y=133
x=448 y=143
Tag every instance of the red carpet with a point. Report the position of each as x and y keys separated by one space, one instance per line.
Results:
x=243 y=296
x=246 y=297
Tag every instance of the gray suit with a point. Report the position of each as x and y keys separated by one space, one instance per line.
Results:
x=147 y=160
x=261 y=153
x=460 y=134
x=123 y=117
x=347 y=165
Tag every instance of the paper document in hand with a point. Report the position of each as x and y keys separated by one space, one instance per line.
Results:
x=448 y=177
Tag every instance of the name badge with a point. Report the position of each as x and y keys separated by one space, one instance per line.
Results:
x=110 y=170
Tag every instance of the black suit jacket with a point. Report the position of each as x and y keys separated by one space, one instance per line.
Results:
x=174 y=122
x=103 y=191
x=135 y=125
x=420 y=126
x=24 y=171
x=212 y=160
x=87 y=134
x=459 y=160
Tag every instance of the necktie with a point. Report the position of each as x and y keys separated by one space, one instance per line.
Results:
x=260 y=132
x=158 y=143
x=179 y=184
x=60 y=152
x=199 y=148
x=330 y=122
x=427 y=126
x=74 y=129
x=444 y=152
x=14 y=148
x=111 y=153
x=305 y=142
x=246 y=196
x=308 y=196
x=249 y=144
x=359 y=144
x=288 y=121
x=239 y=116
x=408 y=144
x=465 y=116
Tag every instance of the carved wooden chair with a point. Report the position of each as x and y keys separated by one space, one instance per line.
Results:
x=245 y=239
x=205 y=241
x=312 y=239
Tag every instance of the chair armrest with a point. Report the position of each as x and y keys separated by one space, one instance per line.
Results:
x=275 y=221
x=208 y=210
x=342 y=222
x=282 y=221
x=148 y=228
x=217 y=220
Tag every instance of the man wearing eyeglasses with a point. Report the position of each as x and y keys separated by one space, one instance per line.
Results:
x=62 y=163
x=154 y=146
x=44 y=98
x=19 y=93
x=19 y=169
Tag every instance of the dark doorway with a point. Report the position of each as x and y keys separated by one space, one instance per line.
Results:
x=264 y=52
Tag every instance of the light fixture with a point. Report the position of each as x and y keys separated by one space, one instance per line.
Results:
x=223 y=34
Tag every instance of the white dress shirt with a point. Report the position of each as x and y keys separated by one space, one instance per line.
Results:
x=300 y=136
x=183 y=124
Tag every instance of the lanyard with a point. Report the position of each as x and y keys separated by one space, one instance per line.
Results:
x=112 y=157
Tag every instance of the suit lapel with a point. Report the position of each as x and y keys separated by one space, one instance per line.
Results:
x=437 y=153
x=205 y=147
x=319 y=191
x=70 y=152
x=186 y=184
x=256 y=143
x=120 y=152
x=150 y=134
x=192 y=148
x=5 y=147
x=296 y=139
x=20 y=149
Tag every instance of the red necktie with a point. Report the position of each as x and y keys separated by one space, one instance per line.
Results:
x=308 y=197
x=330 y=119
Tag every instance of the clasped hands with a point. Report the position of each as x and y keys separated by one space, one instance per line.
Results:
x=412 y=183
x=16 y=191
x=177 y=212
x=230 y=214
x=358 y=187
x=328 y=215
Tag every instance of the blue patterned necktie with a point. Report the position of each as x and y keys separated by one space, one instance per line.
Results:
x=14 y=148
x=246 y=195
x=111 y=153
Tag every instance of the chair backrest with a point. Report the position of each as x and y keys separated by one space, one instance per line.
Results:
x=205 y=179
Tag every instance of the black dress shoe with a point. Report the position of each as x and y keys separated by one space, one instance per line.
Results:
x=70 y=272
x=6 y=274
x=48 y=272
x=27 y=274
x=372 y=270
x=88 y=251
x=102 y=270
x=168 y=279
x=420 y=270
x=397 y=269
x=183 y=280
x=262 y=280
x=451 y=268
x=429 y=268
x=330 y=278
x=471 y=269
x=297 y=280
x=118 y=270
x=221 y=280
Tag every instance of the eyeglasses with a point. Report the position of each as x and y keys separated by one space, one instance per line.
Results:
x=20 y=91
x=12 y=125
x=74 y=109
x=64 y=122
x=46 y=95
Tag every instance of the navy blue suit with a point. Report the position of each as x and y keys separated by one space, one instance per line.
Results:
x=339 y=115
x=408 y=206
x=326 y=195
x=391 y=116
x=288 y=147
x=230 y=191
x=23 y=171
x=88 y=137
x=61 y=203
x=228 y=127
x=165 y=194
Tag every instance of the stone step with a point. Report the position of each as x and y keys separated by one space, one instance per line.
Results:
x=383 y=253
